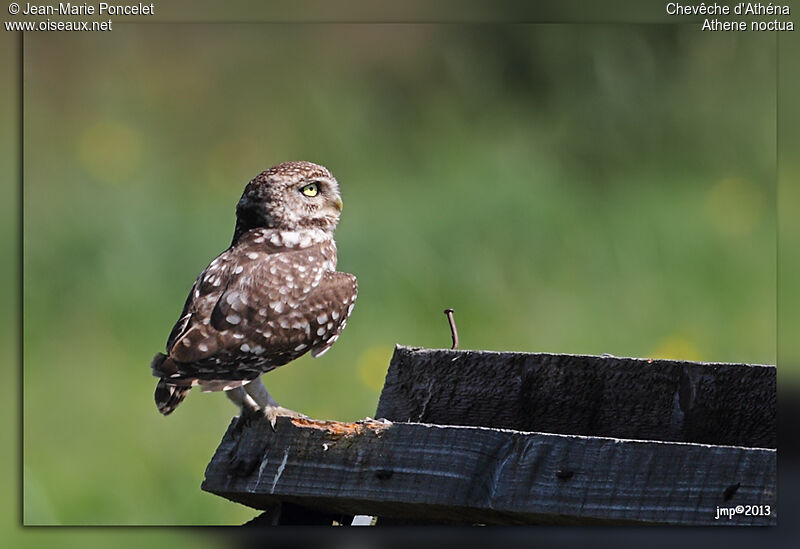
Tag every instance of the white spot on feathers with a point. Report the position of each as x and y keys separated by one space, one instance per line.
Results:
x=233 y=319
x=300 y=347
x=290 y=238
x=238 y=269
x=252 y=255
x=245 y=347
x=322 y=319
x=202 y=347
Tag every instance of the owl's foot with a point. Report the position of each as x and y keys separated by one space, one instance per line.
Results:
x=267 y=405
x=273 y=412
x=248 y=408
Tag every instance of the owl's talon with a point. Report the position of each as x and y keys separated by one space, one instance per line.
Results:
x=274 y=412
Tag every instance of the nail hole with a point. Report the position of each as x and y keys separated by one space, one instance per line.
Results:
x=564 y=475
x=730 y=491
x=383 y=474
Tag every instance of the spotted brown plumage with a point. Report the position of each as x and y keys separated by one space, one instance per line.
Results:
x=268 y=299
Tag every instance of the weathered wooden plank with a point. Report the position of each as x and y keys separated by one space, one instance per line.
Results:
x=711 y=403
x=492 y=476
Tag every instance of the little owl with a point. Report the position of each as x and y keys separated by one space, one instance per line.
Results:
x=268 y=299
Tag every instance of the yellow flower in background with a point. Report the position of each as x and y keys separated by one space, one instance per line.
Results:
x=110 y=151
x=676 y=347
x=373 y=364
x=735 y=206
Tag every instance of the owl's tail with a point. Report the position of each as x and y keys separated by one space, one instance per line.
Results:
x=167 y=395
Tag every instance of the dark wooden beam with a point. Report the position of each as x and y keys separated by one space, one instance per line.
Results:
x=711 y=403
x=291 y=514
x=491 y=476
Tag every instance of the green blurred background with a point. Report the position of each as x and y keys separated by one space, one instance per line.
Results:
x=566 y=188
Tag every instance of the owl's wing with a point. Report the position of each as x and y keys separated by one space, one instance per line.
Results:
x=265 y=305
x=282 y=306
x=183 y=321
x=332 y=303
x=192 y=338
x=263 y=289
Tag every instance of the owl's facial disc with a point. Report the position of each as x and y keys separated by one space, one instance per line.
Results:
x=290 y=196
x=323 y=195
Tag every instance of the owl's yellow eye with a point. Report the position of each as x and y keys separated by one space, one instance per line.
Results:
x=312 y=189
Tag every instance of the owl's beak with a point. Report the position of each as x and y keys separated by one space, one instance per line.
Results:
x=338 y=203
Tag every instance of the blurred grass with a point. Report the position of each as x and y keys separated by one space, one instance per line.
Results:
x=578 y=189
x=36 y=494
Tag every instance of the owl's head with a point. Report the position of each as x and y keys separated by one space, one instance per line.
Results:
x=290 y=196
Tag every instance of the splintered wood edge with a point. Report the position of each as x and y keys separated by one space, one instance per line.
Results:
x=341 y=428
x=337 y=429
